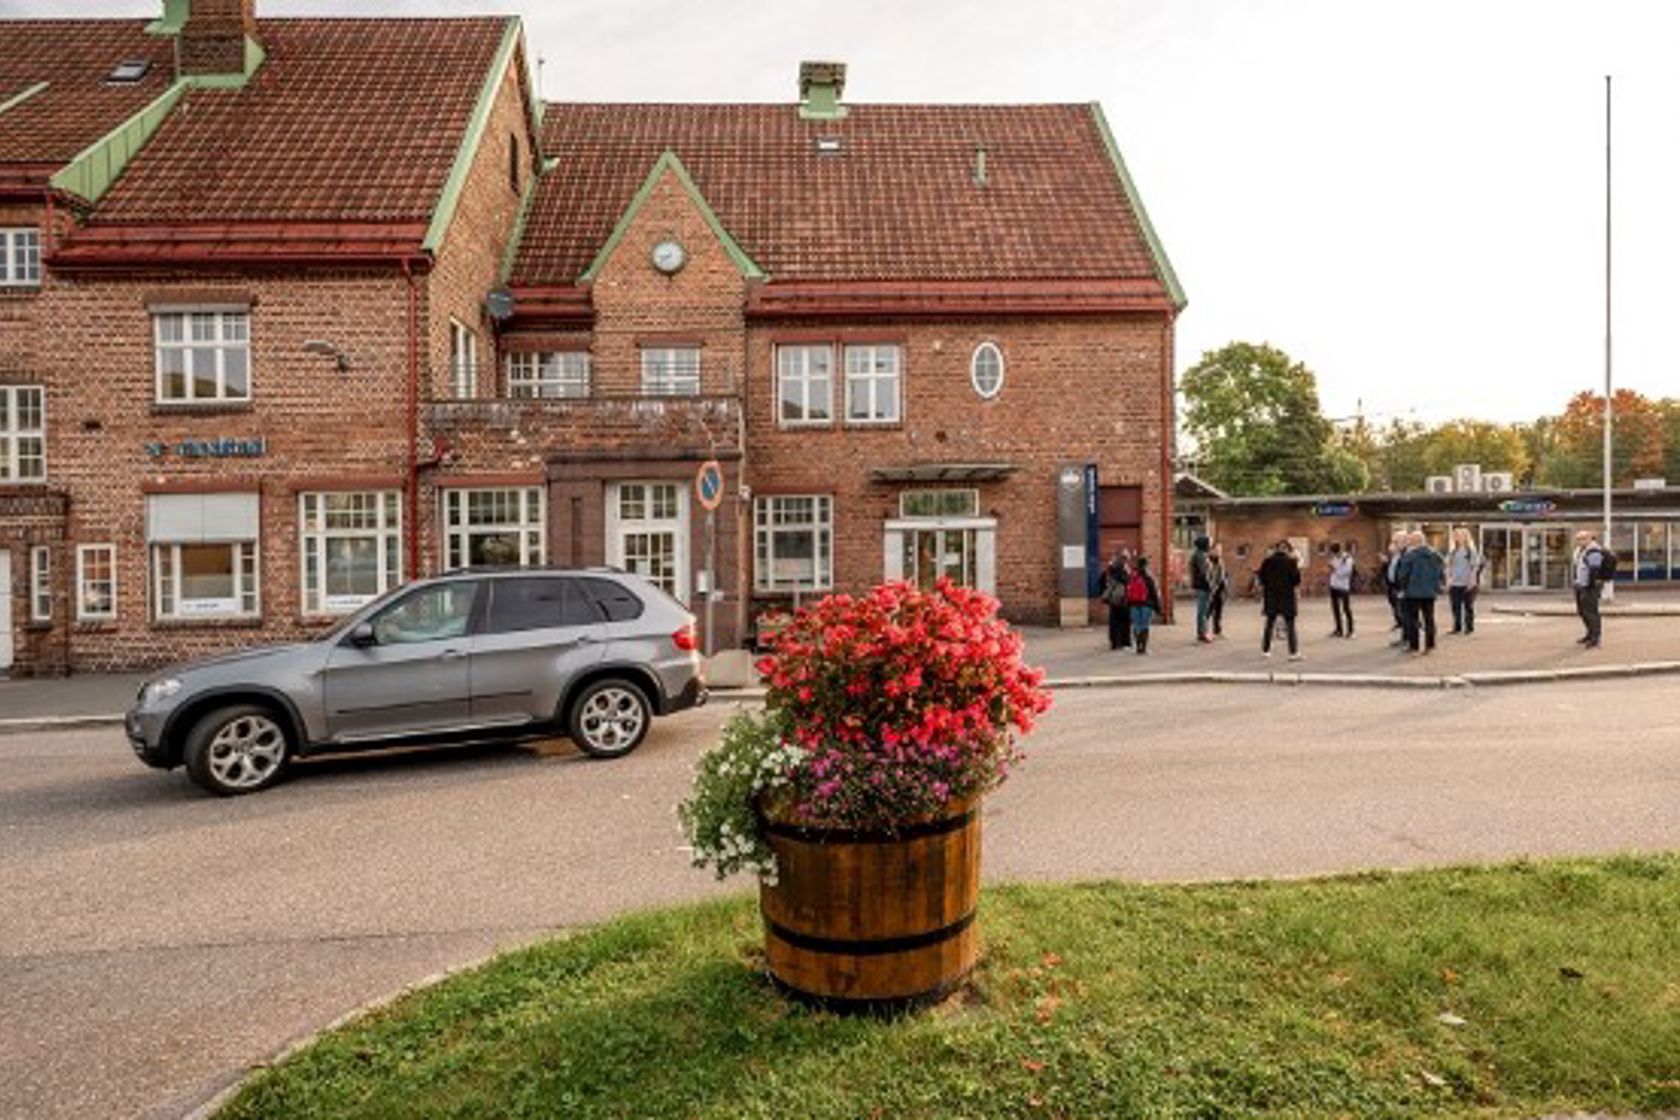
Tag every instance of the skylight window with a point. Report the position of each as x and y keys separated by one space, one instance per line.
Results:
x=128 y=71
x=828 y=145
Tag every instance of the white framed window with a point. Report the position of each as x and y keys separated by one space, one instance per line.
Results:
x=939 y=503
x=985 y=370
x=203 y=355
x=23 y=433
x=352 y=548
x=205 y=580
x=647 y=533
x=872 y=384
x=463 y=361
x=500 y=527
x=671 y=371
x=96 y=582
x=793 y=541
x=20 y=258
x=805 y=385
x=557 y=374
x=40 y=583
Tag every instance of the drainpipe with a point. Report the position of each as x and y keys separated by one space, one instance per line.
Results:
x=412 y=497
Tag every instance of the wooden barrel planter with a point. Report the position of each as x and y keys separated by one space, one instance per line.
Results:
x=874 y=920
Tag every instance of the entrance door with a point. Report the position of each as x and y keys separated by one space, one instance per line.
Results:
x=647 y=533
x=963 y=550
x=5 y=609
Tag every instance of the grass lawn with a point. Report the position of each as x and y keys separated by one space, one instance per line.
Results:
x=1509 y=991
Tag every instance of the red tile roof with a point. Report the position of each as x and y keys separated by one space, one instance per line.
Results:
x=898 y=201
x=46 y=131
x=349 y=120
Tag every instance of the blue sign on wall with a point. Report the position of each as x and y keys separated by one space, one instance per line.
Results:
x=224 y=448
x=1093 y=559
x=1333 y=509
x=1527 y=505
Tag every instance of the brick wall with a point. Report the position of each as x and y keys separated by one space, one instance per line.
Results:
x=1246 y=537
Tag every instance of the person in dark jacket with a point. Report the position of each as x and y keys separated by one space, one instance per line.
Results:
x=1391 y=582
x=1280 y=575
x=1201 y=582
x=1216 y=601
x=1144 y=599
x=1115 y=577
x=1420 y=576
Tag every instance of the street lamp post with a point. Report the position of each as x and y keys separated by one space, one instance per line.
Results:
x=1609 y=400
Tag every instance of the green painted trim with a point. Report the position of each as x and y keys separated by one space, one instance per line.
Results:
x=20 y=98
x=822 y=103
x=518 y=235
x=97 y=166
x=1163 y=266
x=174 y=18
x=668 y=161
x=450 y=198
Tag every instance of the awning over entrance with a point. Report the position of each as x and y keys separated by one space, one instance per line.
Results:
x=944 y=472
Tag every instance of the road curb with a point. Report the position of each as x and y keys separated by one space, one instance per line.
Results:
x=1492 y=678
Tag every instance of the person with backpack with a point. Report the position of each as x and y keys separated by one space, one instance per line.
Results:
x=1341 y=589
x=1144 y=599
x=1221 y=585
x=1594 y=564
x=1201 y=582
x=1115 y=577
x=1464 y=579
x=1280 y=575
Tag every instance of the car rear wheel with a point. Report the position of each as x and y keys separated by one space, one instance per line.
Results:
x=609 y=718
x=238 y=749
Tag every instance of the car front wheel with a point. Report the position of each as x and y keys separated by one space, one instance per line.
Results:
x=609 y=719
x=241 y=748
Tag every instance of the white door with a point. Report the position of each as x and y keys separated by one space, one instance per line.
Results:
x=963 y=550
x=5 y=609
x=647 y=533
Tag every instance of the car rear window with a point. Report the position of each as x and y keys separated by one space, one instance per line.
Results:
x=617 y=602
x=536 y=604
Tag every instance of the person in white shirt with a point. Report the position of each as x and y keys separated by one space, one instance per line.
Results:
x=1589 y=586
x=1341 y=589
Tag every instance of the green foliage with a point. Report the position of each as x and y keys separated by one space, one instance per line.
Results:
x=1574 y=451
x=720 y=816
x=1525 y=990
x=1253 y=413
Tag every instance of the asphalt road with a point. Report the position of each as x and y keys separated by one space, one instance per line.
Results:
x=155 y=942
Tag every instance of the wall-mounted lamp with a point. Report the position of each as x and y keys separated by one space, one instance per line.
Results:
x=326 y=349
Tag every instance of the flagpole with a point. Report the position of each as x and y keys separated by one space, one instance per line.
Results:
x=1609 y=407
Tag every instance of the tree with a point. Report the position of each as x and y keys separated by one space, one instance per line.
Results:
x=1253 y=413
x=1574 y=454
x=1497 y=447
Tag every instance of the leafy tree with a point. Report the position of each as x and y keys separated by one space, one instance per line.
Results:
x=1574 y=453
x=1669 y=410
x=1497 y=447
x=1253 y=413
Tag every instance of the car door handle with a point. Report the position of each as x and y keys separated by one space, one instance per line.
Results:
x=452 y=655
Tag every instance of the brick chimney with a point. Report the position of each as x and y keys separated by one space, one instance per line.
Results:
x=212 y=38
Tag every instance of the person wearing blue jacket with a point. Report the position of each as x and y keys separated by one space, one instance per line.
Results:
x=1420 y=575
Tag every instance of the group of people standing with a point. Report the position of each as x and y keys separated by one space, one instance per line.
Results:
x=1413 y=574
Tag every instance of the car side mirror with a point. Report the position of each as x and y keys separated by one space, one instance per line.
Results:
x=362 y=635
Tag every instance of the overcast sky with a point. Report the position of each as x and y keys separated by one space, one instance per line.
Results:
x=1407 y=197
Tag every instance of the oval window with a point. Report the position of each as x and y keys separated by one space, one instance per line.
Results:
x=986 y=370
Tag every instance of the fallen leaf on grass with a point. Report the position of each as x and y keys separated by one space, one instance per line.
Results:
x=1052 y=960
x=1032 y=1065
x=1569 y=973
x=1447 y=1018
x=1434 y=1080
x=1047 y=1007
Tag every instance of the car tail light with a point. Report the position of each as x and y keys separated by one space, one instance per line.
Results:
x=685 y=638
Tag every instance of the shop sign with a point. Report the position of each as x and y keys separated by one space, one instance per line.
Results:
x=223 y=448
x=1527 y=505
x=1333 y=509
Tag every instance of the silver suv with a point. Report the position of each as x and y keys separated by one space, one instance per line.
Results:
x=467 y=656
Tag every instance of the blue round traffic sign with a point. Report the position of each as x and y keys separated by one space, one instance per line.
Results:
x=708 y=484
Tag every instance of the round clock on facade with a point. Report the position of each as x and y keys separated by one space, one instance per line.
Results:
x=669 y=256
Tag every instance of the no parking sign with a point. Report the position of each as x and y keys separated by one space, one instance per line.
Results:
x=708 y=485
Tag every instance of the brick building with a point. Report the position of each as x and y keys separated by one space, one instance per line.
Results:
x=307 y=307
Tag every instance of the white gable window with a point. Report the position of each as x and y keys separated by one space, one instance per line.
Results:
x=204 y=555
x=556 y=375
x=23 y=433
x=671 y=371
x=872 y=384
x=463 y=361
x=985 y=370
x=20 y=258
x=805 y=385
x=203 y=355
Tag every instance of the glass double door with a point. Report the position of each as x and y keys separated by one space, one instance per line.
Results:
x=1526 y=557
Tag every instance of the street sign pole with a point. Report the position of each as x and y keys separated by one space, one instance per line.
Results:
x=711 y=574
x=708 y=488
